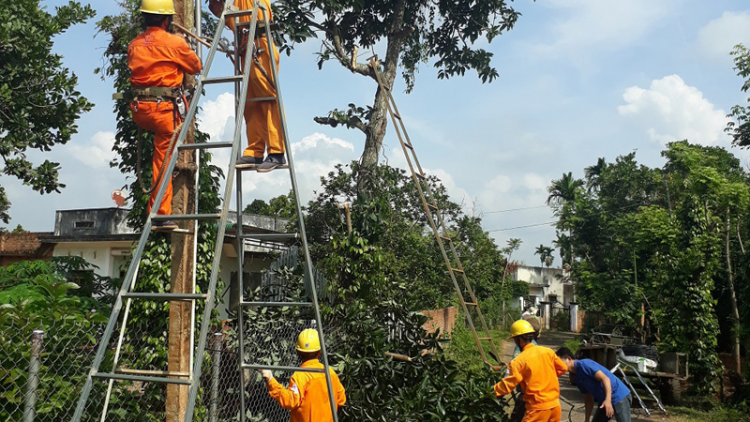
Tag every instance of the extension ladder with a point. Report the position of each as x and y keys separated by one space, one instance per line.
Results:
x=126 y=295
x=439 y=229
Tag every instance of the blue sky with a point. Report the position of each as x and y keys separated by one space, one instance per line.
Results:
x=579 y=79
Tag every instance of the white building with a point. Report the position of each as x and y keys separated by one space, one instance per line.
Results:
x=551 y=285
x=102 y=237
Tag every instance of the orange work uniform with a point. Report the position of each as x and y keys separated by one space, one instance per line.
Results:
x=262 y=118
x=536 y=369
x=157 y=58
x=307 y=395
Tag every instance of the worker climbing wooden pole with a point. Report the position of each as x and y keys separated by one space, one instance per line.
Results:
x=161 y=61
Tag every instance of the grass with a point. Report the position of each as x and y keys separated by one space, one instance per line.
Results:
x=463 y=349
x=719 y=414
x=573 y=345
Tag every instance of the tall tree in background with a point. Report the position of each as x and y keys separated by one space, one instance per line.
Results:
x=39 y=104
x=412 y=32
x=740 y=130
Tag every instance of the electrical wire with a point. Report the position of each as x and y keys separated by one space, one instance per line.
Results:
x=553 y=222
x=514 y=209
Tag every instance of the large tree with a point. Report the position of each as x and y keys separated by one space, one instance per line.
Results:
x=740 y=129
x=39 y=104
x=413 y=32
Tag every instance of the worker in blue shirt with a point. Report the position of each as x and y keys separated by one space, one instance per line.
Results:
x=598 y=384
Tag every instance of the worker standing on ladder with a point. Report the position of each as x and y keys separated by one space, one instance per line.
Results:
x=158 y=61
x=262 y=118
x=536 y=369
x=307 y=394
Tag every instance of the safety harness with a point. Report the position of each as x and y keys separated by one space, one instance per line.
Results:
x=155 y=94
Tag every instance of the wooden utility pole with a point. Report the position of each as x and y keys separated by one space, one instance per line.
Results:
x=183 y=202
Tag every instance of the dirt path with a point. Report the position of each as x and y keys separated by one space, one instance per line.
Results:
x=570 y=393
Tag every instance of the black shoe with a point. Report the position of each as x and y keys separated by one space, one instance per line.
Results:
x=272 y=161
x=248 y=162
x=167 y=225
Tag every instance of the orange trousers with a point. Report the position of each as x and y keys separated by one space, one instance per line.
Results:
x=158 y=118
x=549 y=415
x=262 y=118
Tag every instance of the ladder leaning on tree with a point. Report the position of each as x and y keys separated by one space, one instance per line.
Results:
x=127 y=292
x=438 y=226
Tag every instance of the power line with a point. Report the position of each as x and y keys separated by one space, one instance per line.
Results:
x=553 y=222
x=515 y=209
x=522 y=227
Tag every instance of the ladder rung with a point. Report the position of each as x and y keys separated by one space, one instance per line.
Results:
x=471 y=303
x=126 y=377
x=222 y=79
x=181 y=231
x=242 y=12
x=167 y=296
x=282 y=368
x=206 y=145
x=260 y=99
x=432 y=205
x=275 y=304
x=270 y=236
x=151 y=372
x=186 y=217
x=446 y=238
x=396 y=115
x=421 y=176
x=408 y=145
x=456 y=270
x=485 y=338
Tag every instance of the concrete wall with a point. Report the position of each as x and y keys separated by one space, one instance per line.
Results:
x=107 y=256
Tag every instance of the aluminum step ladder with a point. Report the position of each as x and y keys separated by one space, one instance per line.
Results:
x=127 y=293
x=437 y=224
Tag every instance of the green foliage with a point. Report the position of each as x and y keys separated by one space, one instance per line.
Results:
x=740 y=129
x=43 y=299
x=282 y=206
x=416 y=32
x=39 y=104
x=368 y=318
x=572 y=345
x=658 y=236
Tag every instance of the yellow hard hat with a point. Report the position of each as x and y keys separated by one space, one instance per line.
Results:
x=308 y=341
x=520 y=328
x=157 y=7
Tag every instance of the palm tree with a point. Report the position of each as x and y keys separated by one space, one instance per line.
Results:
x=564 y=189
x=594 y=174
x=541 y=250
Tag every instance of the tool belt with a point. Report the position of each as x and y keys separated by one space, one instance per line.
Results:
x=155 y=94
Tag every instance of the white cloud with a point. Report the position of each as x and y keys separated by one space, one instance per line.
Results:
x=97 y=153
x=217 y=117
x=595 y=25
x=718 y=37
x=670 y=110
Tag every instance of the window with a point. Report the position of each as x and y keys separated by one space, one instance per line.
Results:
x=84 y=224
x=553 y=299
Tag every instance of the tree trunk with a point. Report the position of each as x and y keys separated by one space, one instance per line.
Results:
x=183 y=202
x=376 y=127
x=735 y=330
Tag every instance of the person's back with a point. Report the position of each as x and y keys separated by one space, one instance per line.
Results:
x=307 y=395
x=537 y=370
x=158 y=58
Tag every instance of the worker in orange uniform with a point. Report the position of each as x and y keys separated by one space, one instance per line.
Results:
x=262 y=118
x=307 y=394
x=536 y=369
x=158 y=61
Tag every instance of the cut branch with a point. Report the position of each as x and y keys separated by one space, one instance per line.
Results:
x=350 y=123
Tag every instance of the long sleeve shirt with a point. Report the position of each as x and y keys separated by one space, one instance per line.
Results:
x=536 y=369
x=158 y=58
x=248 y=5
x=307 y=394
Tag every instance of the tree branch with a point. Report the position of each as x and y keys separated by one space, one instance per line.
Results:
x=350 y=123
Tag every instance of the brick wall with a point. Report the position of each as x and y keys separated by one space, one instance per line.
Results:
x=442 y=319
x=23 y=246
